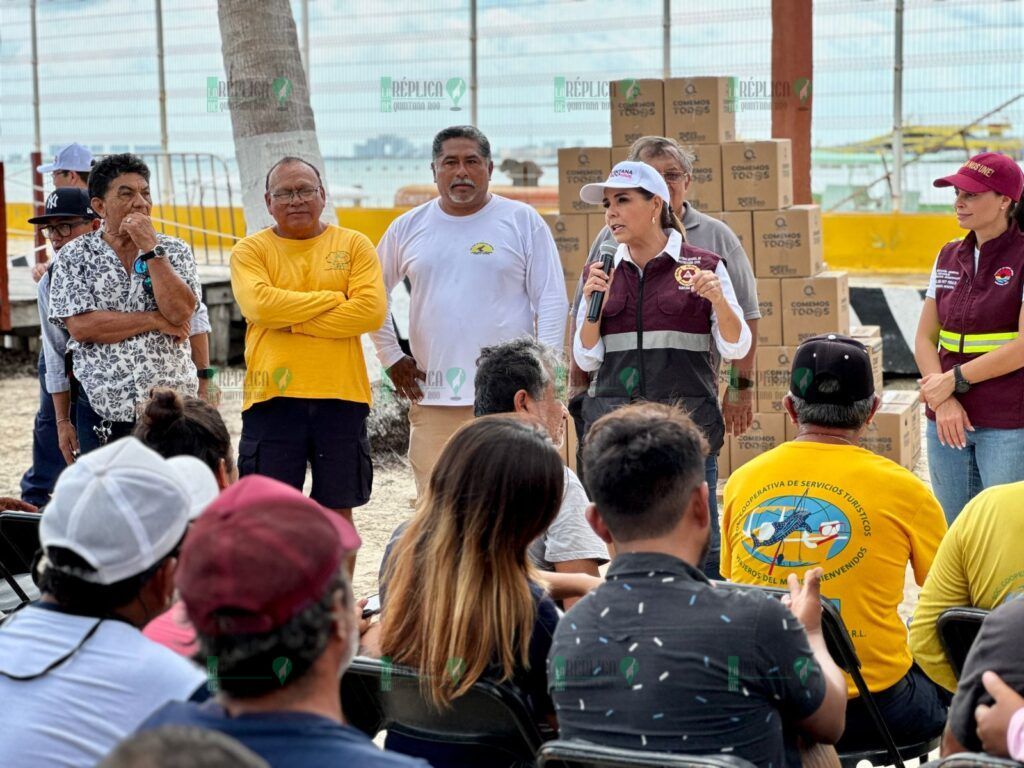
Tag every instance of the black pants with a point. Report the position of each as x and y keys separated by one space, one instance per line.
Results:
x=914 y=710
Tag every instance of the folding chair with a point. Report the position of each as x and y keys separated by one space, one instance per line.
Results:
x=377 y=696
x=581 y=754
x=19 y=540
x=973 y=760
x=957 y=629
x=840 y=648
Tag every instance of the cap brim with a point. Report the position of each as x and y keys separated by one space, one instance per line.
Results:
x=958 y=180
x=350 y=540
x=48 y=168
x=51 y=216
x=594 y=193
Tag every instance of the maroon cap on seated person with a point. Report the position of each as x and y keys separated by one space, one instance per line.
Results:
x=261 y=553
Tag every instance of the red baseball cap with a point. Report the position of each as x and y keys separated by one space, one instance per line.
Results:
x=258 y=555
x=985 y=172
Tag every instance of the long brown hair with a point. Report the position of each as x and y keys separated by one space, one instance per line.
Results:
x=458 y=597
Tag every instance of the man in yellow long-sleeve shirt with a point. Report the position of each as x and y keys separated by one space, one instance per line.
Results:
x=308 y=290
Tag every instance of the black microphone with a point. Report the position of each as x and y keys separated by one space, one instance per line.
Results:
x=597 y=297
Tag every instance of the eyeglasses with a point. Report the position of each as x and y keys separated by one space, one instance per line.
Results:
x=142 y=268
x=60 y=230
x=305 y=194
x=674 y=178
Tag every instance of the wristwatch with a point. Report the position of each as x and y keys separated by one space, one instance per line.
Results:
x=159 y=252
x=741 y=383
x=962 y=384
x=206 y=373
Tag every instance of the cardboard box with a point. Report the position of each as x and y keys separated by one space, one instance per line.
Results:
x=774 y=365
x=871 y=337
x=705 y=193
x=742 y=225
x=910 y=399
x=891 y=432
x=572 y=240
x=814 y=305
x=788 y=243
x=767 y=431
x=757 y=175
x=769 y=300
x=578 y=166
x=619 y=154
x=595 y=223
x=700 y=110
x=792 y=430
x=638 y=109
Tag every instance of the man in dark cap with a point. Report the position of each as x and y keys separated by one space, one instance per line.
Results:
x=67 y=216
x=821 y=500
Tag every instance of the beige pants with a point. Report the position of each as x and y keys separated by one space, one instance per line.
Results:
x=430 y=426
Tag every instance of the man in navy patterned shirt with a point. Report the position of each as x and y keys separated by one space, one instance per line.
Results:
x=657 y=658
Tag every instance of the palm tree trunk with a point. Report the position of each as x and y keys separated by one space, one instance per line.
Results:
x=268 y=97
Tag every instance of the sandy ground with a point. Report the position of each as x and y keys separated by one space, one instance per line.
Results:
x=389 y=505
x=392 y=487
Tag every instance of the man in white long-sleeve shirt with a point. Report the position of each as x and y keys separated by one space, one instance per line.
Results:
x=483 y=269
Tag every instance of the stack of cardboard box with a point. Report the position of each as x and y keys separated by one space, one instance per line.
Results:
x=749 y=186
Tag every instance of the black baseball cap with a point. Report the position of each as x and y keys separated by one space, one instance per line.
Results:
x=64 y=202
x=832 y=369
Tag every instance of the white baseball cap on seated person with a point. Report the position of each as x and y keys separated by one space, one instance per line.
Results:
x=122 y=508
x=201 y=482
x=627 y=175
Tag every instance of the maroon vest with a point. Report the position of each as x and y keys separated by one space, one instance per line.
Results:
x=972 y=305
x=657 y=342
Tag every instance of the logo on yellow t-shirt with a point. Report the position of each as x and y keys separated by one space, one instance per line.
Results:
x=791 y=531
x=339 y=260
x=482 y=247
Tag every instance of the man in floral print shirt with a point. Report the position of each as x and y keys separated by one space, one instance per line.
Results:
x=126 y=296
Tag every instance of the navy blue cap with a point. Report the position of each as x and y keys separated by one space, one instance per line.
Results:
x=65 y=202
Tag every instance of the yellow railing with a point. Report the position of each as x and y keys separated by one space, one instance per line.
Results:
x=859 y=242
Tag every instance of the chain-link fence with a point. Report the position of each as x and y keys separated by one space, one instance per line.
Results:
x=385 y=77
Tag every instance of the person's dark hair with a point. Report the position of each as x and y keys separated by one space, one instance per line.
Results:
x=832 y=416
x=641 y=464
x=504 y=369
x=461 y=132
x=83 y=596
x=245 y=663
x=175 y=426
x=83 y=175
x=287 y=160
x=180 y=746
x=669 y=220
x=110 y=167
x=1016 y=214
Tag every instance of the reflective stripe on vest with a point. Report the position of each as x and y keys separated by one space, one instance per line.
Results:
x=974 y=343
x=689 y=342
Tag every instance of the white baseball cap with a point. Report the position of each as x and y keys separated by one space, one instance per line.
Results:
x=202 y=485
x=627 y=175
x=122 y=508
x=72 y=157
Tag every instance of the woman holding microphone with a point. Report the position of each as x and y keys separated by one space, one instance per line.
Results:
x=968 y=346
x=663 y=306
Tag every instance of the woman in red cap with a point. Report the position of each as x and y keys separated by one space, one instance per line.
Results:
x=968 y=346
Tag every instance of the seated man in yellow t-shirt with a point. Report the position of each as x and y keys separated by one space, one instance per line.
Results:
x=978 y=564
x=821 y=500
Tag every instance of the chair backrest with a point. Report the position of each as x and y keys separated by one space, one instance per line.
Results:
x=19 y=540
x=973 y=760
x=376 y=696
x=957 y=628
x=566 y=753
x=843 y=653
